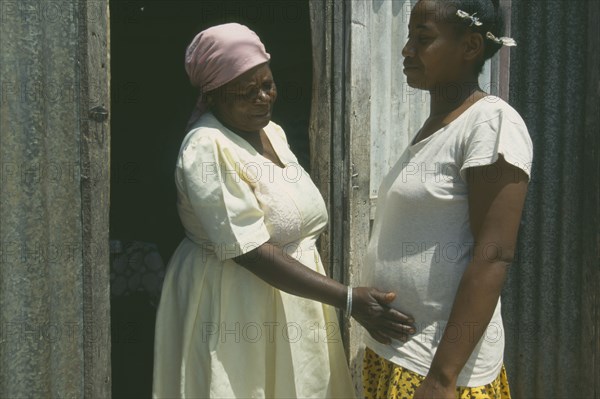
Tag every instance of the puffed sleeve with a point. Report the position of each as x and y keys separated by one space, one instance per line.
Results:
x=499 y=131
x=221 y=197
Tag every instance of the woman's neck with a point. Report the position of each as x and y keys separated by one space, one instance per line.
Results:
x=447 y=105
x=446 y=99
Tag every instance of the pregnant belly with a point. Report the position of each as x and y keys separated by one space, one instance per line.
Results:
x=424 y=291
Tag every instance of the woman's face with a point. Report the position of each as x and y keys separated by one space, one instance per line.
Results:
x=432 y=55
x=245 y=104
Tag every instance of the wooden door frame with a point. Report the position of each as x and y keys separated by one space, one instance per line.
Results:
x=94 y=64
x=326 y=129
x=338 y=116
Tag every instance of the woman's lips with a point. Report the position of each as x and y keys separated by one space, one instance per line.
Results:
x=409 y=70
x=263 y=114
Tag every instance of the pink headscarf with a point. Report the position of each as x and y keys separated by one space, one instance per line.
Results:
x=218 y=55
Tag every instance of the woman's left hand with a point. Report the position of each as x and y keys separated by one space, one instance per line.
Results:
x=382 y=322
x=433 y=389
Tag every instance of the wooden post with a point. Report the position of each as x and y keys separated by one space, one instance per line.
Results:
x=320 y=128
x=358 y=143
x=95 y=195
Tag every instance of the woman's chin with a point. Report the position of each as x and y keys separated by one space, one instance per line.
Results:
x=253 y=125
x=415 y=83
x=260 y=121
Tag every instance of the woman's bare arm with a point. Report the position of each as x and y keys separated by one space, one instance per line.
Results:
x=496 y=197
x=273 y=265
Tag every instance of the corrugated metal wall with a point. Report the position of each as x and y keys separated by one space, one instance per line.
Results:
x=54 y=320
x=542 y=305
x=39 y=137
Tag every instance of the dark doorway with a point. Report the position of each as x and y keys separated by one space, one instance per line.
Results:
x=151 y=102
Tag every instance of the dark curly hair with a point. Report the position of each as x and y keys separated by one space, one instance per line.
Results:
x=489 y=14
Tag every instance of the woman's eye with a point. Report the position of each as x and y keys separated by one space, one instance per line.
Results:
x=251 y=93
x=268 y=86
x=420 y=39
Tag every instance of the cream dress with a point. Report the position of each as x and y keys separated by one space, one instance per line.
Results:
x=222 y=332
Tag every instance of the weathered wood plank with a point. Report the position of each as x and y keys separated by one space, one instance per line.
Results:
x=95 y=189
x=338 y=149
x=320 y=132
x=358 y=137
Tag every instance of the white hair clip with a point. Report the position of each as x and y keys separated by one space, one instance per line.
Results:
x=465 y=15
x=503 y=41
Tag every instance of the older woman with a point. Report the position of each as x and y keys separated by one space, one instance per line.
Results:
x=245 y=309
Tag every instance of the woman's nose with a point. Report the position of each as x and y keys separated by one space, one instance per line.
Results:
x=264 y=95
x=408 y=50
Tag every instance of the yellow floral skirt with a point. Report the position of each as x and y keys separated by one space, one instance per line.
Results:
x=383 y=379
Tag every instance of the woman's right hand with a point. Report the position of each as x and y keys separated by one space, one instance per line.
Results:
x=370 y=308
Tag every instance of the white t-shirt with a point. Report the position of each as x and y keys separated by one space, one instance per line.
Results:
x=421 y=241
